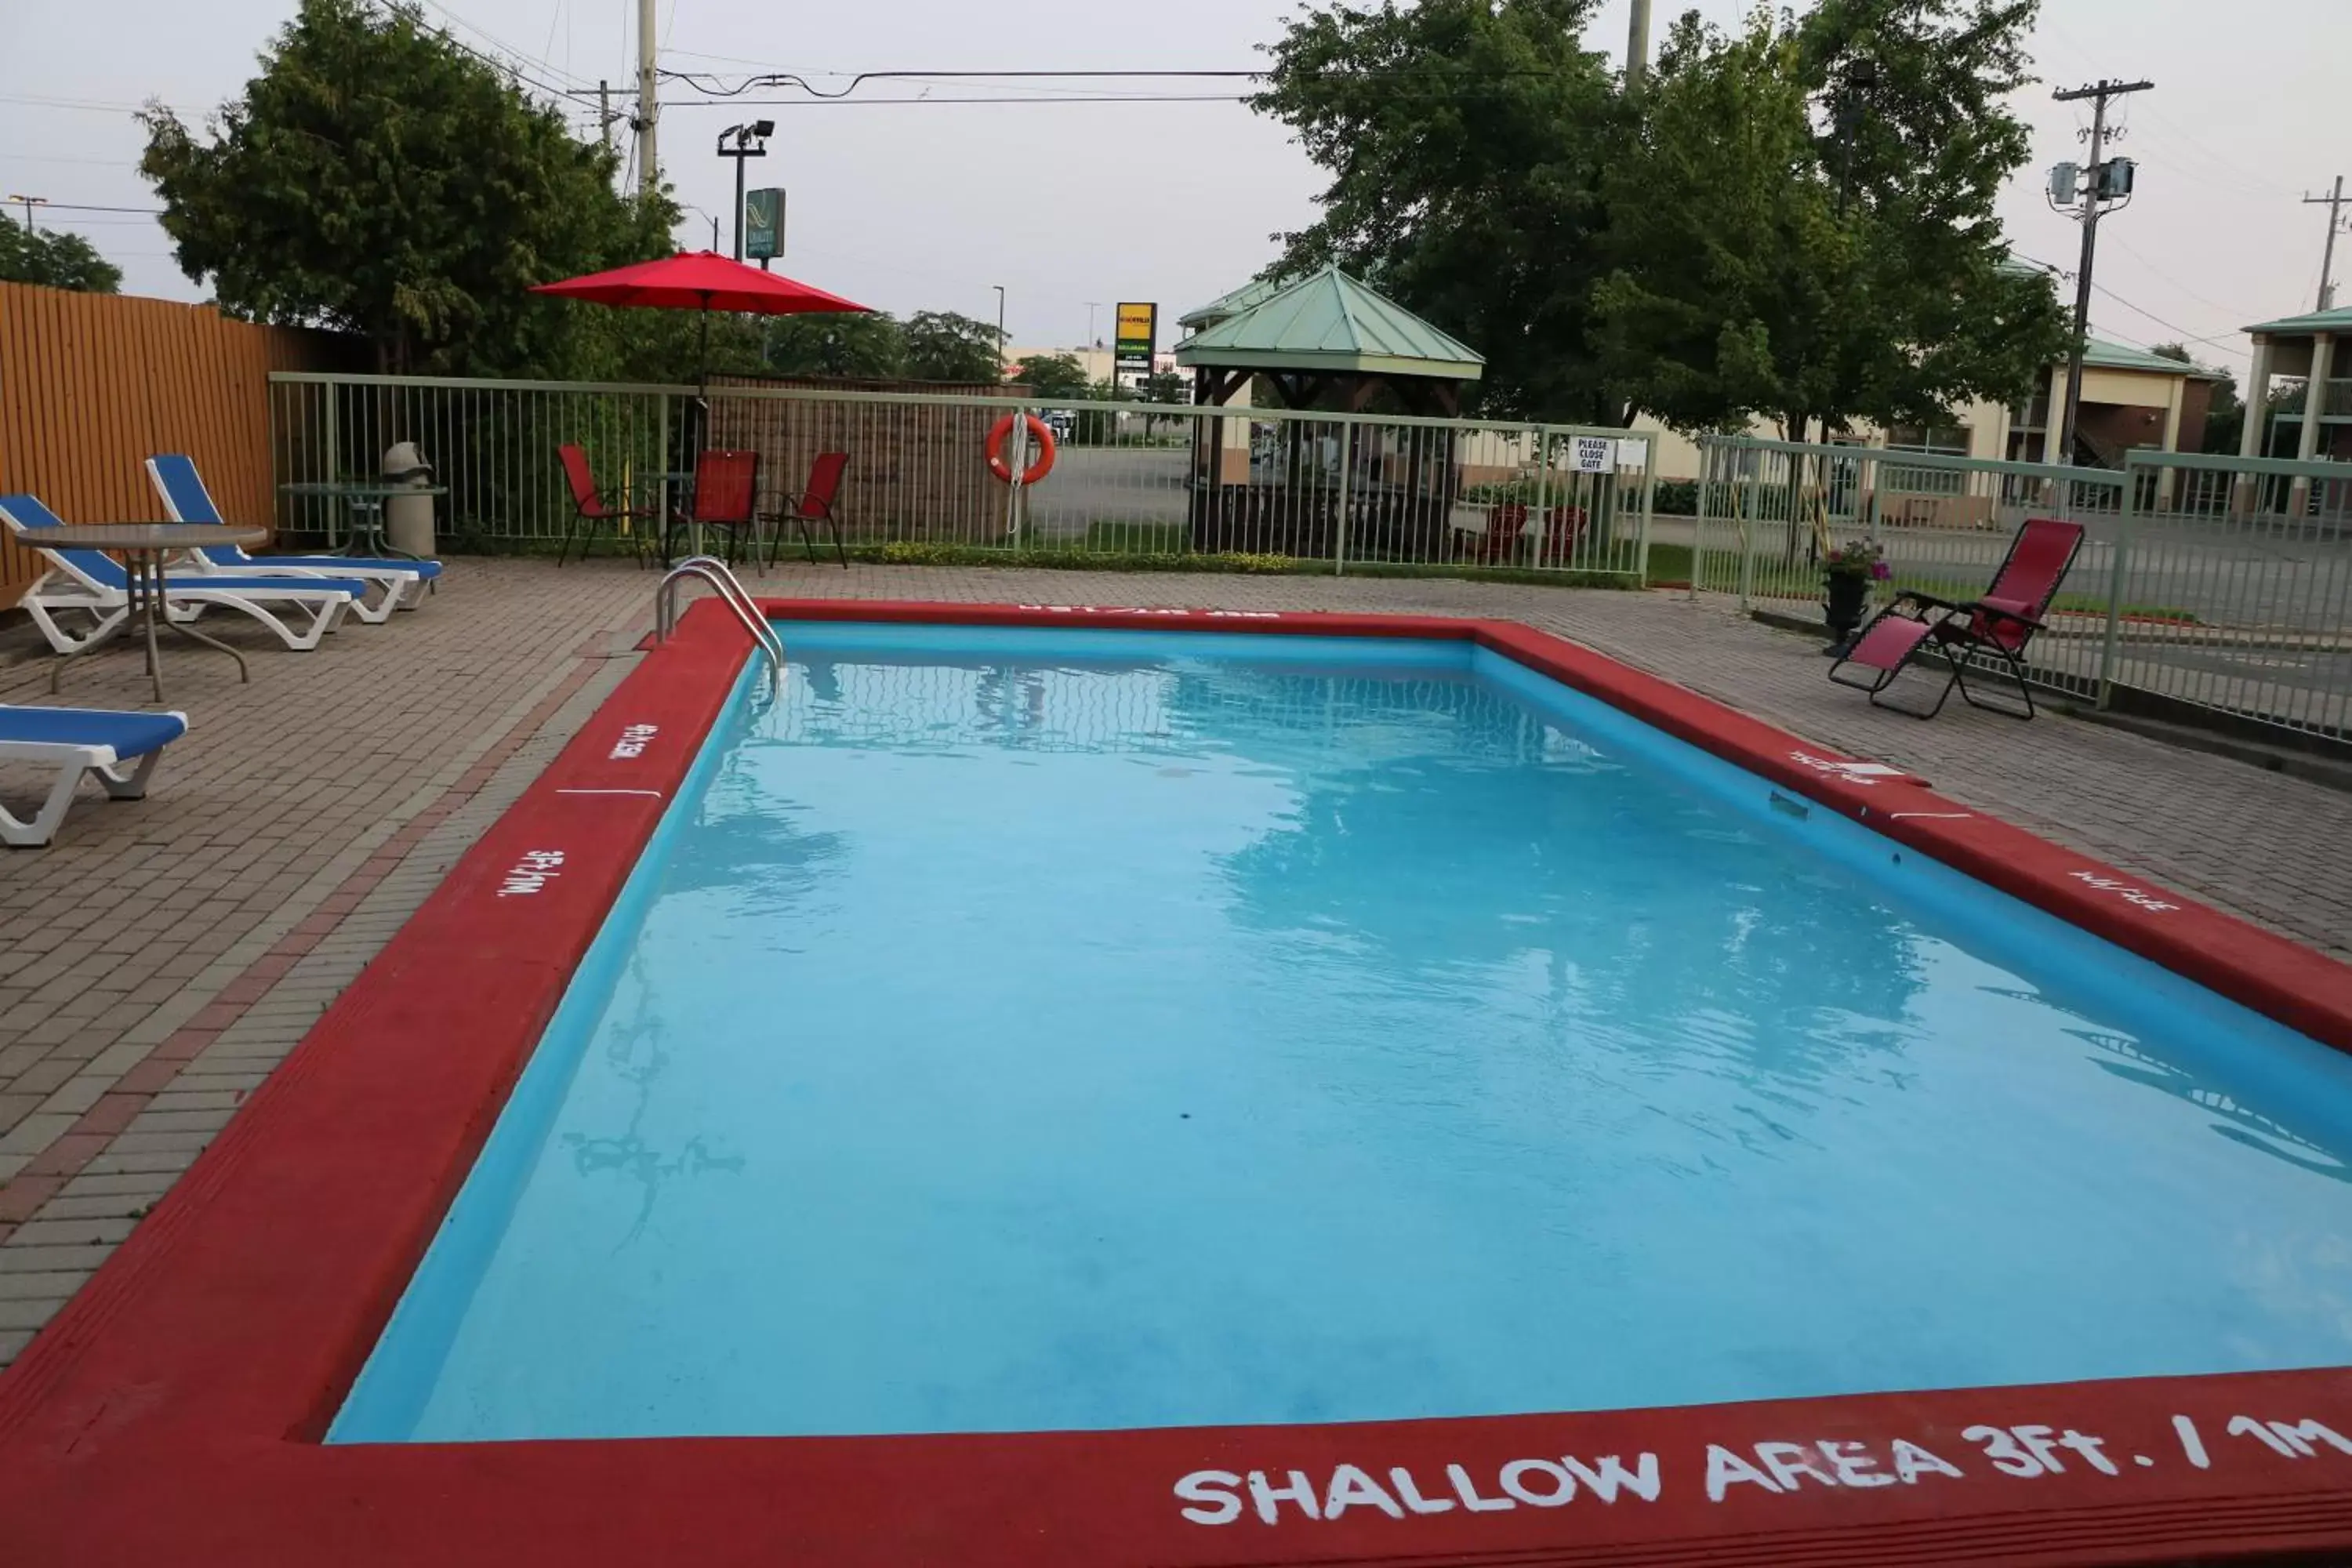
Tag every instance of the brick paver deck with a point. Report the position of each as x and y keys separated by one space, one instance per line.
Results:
x=159 y=959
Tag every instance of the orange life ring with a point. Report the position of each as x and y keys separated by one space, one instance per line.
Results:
x=1039 y=432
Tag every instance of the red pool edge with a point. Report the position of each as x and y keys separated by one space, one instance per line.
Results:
x=172 y=1413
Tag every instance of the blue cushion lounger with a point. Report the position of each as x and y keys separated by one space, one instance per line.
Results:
x=403 y=583
x=76 y=741
x=93 y=583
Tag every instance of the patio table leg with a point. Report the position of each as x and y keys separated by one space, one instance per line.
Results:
x=244 y=673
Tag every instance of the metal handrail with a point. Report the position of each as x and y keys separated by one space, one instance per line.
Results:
x=715 y=571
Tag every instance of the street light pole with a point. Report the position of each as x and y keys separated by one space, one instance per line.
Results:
x=1001 y=366
x=30 y=202
x=750 y=141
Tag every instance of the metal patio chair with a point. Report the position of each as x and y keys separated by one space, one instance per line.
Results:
x=815 y=505
x=593 y=511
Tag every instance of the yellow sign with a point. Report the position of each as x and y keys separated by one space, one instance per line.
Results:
x=1139 y=334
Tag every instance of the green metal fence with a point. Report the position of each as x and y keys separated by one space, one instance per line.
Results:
x=2223 y=584
x=1357 y=492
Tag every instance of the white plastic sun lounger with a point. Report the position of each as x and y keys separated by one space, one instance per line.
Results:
x=77 y=741
x=92 y=583
x=400 y=584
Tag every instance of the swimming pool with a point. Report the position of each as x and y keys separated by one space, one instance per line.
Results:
x=1018 y=1029
x=179 y=1409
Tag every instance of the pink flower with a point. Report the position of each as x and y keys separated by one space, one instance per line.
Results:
x=1880 y=571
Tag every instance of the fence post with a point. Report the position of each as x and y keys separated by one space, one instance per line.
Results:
x=1649 y=496
x=1748 y=521
x=1346 y=482
x=1706 y=462
x=2110 y=643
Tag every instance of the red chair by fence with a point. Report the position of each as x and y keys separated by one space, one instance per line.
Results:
x=814 y=506
x=592 y=512
x=1986 y=635
x=726 y=487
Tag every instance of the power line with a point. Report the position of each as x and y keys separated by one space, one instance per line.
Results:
x=912 y=102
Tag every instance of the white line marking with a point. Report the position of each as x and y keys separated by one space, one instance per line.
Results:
x=655 y=793
x=1946 y=815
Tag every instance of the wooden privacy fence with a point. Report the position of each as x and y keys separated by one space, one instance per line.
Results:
x=92 y=385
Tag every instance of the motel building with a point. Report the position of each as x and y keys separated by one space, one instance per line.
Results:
x=2309 y=348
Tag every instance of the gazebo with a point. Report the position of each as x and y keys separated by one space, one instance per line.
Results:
x=1325 y=342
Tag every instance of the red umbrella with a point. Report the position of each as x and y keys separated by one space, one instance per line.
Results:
x=699 y=280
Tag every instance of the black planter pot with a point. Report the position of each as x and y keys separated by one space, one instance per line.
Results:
x=1844 y=607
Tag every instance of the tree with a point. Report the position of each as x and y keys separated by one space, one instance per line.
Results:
x=1164 y=386
x=1465 y=142
x=872 y=345
x=1804 y=225
x=376 y=179
x=1057 y=378
x=944 y=346
x=55 y=261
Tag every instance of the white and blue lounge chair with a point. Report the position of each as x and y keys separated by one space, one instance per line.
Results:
x=77 y=741
x=92 y=583
x=401 y=585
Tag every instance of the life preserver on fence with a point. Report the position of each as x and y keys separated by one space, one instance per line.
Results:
x=1039 y=432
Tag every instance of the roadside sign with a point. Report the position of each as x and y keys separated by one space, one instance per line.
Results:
x=763 y=224
x=1139 y=336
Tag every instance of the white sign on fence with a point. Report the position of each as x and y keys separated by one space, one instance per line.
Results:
x=1595 y=455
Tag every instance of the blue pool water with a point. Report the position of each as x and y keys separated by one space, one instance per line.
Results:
x=1019 y=1030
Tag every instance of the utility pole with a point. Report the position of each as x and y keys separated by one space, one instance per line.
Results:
x=604 y=113
x=648 y=104
x=2334 y=203
x=1637 y=45
x=2103 y=180
x=1001 y=366
x=30 y=202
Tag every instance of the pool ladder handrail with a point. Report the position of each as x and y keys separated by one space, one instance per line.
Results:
x=716 y=572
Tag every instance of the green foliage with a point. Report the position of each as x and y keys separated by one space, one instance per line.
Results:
x=375 y=179
x=1804 y=227
x=1164 y=386
x=1466 y=143
x=944 y=346
x=55 y=261
x=1795 y=219
x=1057 y=378
x=872 y=345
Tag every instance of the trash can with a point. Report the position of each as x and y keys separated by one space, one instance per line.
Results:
x=408 y=520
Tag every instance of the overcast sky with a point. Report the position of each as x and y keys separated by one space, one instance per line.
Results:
x=927 y=206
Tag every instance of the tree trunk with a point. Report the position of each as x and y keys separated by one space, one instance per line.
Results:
x=1795 y=426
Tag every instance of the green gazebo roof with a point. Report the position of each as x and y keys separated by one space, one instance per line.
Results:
x=1257 y=290
x=2337 y=321
x=1328 y=321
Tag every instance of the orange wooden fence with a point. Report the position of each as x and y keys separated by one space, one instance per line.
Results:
x=92 y=385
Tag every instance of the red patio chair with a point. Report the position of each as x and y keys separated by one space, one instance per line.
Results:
x=589 y=509
x=1563 y=532
x=1988 y=633
x=815 y=505
x=1506 y=524
x=726 y=487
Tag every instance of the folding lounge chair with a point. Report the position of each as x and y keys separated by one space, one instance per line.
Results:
x=1985 y=636
x=814 y=506
x=401 y=585
x=76 y=741
x=92 y=583
x=591 y=510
